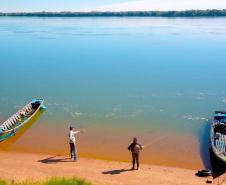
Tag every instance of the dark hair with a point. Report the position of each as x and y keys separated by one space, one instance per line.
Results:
x=134 y=140
x=71 y=128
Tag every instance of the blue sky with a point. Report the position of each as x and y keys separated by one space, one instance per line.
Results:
x=53 y=5
x=107 y=5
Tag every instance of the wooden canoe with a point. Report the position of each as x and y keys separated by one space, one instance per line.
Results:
x=218 y=135
x=12 y=125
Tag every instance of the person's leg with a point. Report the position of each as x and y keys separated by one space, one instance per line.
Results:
x=138 y=160
x=133 y=157
x=71 y=150
x=75 y=153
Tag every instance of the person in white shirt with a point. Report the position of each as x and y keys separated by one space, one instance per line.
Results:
x=72 y=142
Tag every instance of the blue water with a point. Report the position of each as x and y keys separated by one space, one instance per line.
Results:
x=130 y=75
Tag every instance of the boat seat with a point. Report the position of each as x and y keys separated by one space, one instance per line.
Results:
x=28 y=109
x=11 y=122
x=14 y=119
x=30 y=106
x=7 y=125
x=18 y=116
x=24 y=109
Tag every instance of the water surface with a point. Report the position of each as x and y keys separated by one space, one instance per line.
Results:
x=158 y=79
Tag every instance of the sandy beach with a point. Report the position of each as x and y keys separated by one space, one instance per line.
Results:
x=35 y=167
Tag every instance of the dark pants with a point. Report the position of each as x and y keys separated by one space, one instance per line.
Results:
x=136 y=158
x=73 y=151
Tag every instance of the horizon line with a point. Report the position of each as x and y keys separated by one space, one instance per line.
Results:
x=99 y=11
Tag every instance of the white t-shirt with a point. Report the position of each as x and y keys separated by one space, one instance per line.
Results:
x=72 y=136
x=137 y=148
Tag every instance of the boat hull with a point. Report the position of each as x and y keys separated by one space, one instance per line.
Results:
x=218 y=138
x=5 y=135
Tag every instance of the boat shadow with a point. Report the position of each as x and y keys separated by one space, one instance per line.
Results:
x=209 y=159
x=55 y=159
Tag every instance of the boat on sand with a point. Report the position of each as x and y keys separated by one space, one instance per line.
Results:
x=218 y=135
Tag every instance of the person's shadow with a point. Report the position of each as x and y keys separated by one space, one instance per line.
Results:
x=116 y=172
x=55 y=159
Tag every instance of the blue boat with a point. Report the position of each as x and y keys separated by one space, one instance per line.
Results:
x=17 y=121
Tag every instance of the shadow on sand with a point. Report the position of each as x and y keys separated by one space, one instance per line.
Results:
x=116 y=172
x=209 y=159
x=55 y=159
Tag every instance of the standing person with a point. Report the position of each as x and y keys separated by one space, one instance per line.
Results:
x=135 y=149
x=72 y=142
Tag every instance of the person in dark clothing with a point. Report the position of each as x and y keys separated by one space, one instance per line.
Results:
x=135 y=149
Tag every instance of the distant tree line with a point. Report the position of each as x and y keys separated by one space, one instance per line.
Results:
x=186 y=13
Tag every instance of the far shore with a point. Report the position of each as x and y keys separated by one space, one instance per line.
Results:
x=170 y=13
x=37 y=167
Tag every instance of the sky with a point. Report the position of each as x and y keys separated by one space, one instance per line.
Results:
x=107 y=5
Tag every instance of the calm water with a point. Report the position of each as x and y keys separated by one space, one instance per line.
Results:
x=155 y=78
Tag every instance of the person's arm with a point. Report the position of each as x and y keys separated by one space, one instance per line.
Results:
x=130 y=146
x=77 y=131
x=141 y=147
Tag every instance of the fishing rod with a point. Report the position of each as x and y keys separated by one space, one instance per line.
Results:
x=154 y=142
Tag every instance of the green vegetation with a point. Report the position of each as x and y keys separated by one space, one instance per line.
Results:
x=52 y=181
x=186 y=13
x=2 y=182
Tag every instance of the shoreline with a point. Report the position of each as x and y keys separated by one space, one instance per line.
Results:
x=38 y=167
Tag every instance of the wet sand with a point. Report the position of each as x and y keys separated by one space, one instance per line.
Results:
x=107 y=145
x=21 y=166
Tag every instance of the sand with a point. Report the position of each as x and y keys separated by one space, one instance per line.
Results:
x=21 y=166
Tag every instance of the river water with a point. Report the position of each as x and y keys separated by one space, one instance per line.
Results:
x=158 y=79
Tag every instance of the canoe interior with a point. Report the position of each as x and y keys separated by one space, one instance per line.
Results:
x=218 y=135
x=19 y=119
